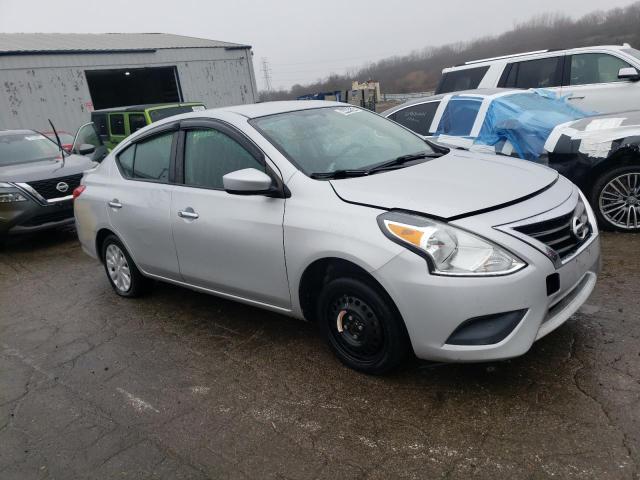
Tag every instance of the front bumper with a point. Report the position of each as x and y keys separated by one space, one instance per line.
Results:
x=433 y=307
x=32 y=216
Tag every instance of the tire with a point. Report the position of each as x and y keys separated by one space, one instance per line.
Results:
x=123 y=275
x=615 y=198
x=362 y=326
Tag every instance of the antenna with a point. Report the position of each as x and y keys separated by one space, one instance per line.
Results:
x=266 y=72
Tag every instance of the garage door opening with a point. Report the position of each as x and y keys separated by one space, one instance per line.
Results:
x=133 y=86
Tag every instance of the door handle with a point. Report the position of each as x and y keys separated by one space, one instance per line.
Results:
x=115 y=203
x=188 y=213
x=576 y=98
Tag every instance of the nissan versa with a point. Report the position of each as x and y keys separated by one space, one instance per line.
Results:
x=334 y=214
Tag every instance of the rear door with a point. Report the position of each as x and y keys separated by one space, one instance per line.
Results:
x=140 y=201
x=591 y=83
x=543 y=72
x=232 y=244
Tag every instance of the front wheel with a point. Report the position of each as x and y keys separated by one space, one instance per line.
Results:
x=616 y=199
x=362 y=326
x=124 y=276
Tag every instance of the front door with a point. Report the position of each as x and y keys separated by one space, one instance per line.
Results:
x=231 y=244
x=592 y=84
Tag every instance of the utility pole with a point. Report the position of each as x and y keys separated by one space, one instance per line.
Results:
x=266 y=72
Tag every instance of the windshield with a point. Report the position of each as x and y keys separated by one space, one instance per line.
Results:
x=336 y=138
x=633 y=52
x=26 y=147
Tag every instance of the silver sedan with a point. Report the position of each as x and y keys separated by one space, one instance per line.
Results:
x=331 y=213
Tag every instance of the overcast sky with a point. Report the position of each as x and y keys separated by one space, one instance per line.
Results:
x=303 y=40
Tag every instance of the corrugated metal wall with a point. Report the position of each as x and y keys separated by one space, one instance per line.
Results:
x=34 y=88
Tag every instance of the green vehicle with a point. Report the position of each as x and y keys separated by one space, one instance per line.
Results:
x=115 y=124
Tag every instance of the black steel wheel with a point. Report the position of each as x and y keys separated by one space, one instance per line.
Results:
x=362 y=326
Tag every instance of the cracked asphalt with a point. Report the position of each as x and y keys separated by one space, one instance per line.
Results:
x=181 y=385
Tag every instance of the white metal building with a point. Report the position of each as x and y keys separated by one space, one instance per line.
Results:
x=63 y=77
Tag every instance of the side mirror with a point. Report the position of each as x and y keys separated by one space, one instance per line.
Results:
x=629 y=73
x=86 y=149
x=248 y=181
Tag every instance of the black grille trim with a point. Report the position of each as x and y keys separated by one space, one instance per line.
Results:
x=49 y=217
x=557 y=233
x=47 y=188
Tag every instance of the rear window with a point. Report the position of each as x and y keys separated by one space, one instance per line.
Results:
x=161 y=113
x=116 y=124
x=457 y=80
x=541 y=73
x=149 y=159
x=417 y=117
x=24 y=148
x=100 y=120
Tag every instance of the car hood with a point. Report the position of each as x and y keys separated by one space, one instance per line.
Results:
x=42 y=170
x=454 y=185
x=595 y=135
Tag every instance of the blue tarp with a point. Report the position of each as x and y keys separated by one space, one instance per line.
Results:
x=526 y=120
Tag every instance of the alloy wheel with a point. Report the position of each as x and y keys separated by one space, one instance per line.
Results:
x=118 y=268
x=619 y=201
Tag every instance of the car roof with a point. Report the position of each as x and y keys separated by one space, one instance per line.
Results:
x=481 y=92
x=536 y=53
x=145 y=106
x=16 y=132
x=255 y=110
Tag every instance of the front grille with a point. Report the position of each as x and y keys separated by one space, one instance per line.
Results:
x=47 y=188
x=558 y=233
x=54 y=216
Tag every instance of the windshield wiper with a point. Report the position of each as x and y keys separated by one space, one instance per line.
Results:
x=390 y=164
x=401 y=160
x=340 y=174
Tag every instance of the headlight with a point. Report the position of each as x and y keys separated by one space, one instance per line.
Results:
x=12 y=197
x=449 y=250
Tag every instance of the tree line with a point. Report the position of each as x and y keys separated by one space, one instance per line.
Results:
x=420 y=70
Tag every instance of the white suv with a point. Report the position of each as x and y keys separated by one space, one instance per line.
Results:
x=601 y=79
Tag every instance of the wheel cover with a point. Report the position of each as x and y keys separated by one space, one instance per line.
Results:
x=619 y=201
x=118 y=268
x=356 y=329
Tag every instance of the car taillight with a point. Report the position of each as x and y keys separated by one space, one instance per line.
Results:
x=78 y=190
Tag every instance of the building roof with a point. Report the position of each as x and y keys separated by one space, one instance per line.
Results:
x=36 y=43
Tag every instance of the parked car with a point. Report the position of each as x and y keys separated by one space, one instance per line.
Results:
x=601 y=79
x=37 y=181
x=65 y=138
x=328 y=212
x=115 y=124
x=600 y=153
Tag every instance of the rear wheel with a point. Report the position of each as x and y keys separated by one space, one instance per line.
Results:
x=362 y=326
x=124 y=276
x=616 y=199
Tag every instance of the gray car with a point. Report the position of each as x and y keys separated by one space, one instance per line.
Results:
x=37 y=179
x=331 y=213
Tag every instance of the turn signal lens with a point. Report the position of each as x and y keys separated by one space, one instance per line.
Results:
x=78 y=190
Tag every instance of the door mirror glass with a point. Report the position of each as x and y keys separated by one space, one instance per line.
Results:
x=248 y=181
x=86 y=149
x=628 y=73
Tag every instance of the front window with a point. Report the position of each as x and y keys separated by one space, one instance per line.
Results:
x=588 y=68
x=335 y=138
x=25 y=148
x=209 y=155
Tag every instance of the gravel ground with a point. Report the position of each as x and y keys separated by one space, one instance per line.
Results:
x=182 y=385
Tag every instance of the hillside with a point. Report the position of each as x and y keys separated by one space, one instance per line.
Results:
x=420 y=71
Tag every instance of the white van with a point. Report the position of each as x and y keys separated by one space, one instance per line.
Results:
x=600 y=79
